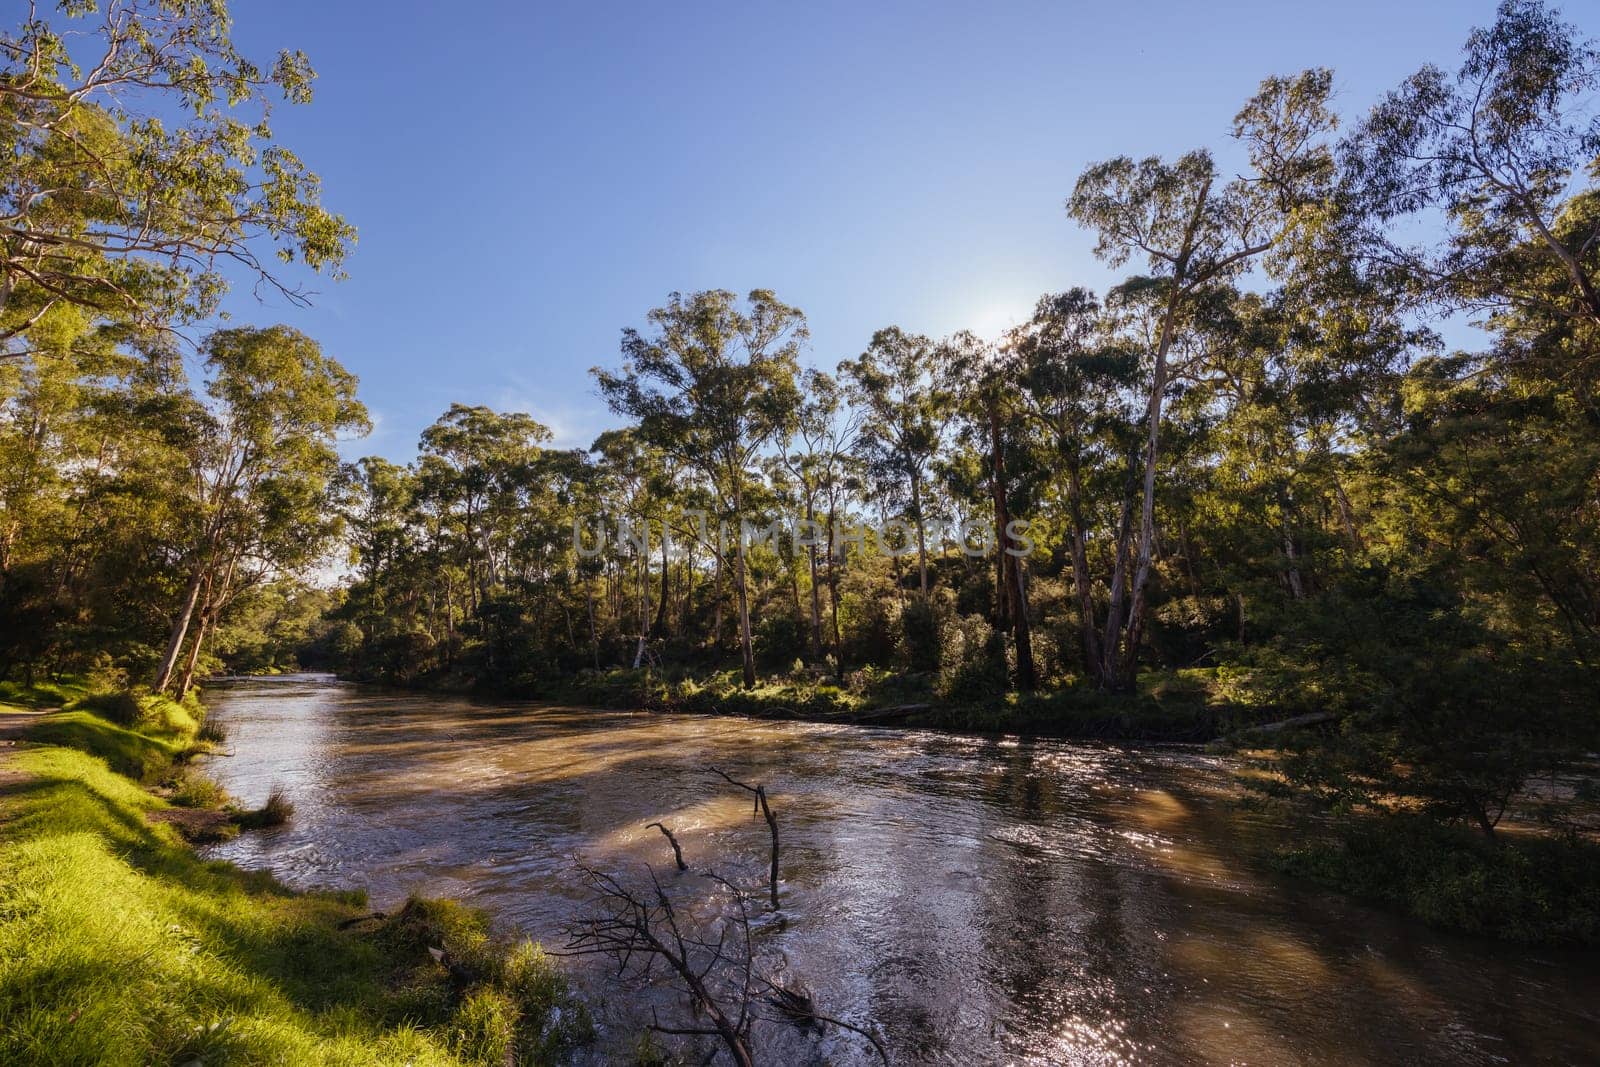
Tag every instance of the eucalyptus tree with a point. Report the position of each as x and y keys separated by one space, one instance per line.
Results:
x=635 y=479
x=141 y=166
x=903 y=405
x=475 y=466
x=1194 y=232
x=1075 y=387
x=980 y=386
x=88 y=442
x=714 y=384
x=1490 y=154
x=262 y=471
x=375 y=502
x=1475 y=191
x=816 y=453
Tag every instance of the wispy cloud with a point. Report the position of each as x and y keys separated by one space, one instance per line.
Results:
x=575 y=421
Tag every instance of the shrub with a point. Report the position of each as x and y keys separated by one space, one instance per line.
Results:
x=972 y=663
x=921 y=631
x=278 y=810
x=781 y=638
x=195 y=790
x=122 y=707
x=104 y=676
x=1537 y=890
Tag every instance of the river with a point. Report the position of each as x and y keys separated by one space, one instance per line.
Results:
x=977 y=900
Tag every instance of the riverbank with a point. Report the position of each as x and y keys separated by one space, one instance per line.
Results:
x=122 y=946
x=1194 y=706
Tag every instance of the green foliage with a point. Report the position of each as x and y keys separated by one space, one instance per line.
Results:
x=781 y=639
x=972 y=660
x=1433 y=712
x=1534 y=890
x=136 y=213
x=922 y=633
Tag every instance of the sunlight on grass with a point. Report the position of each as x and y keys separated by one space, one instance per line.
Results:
x=120 y=946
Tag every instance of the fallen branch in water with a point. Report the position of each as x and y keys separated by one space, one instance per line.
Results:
x=645 y=926
x=716 y=968
x=677 y=853
x=710 y=958
x=762 y=808
x=798 y=1007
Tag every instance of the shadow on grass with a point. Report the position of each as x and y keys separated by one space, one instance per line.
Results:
x=127 y=752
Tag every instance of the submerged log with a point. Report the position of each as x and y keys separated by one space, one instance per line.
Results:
x=880 y=716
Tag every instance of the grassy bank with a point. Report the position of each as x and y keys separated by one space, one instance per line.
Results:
x=118 y=945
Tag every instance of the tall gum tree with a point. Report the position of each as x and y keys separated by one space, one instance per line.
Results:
x=980 y=382
x=263 y=470
x=1195 y=231
x=814 y=453
x=1489 y=154
x=1073 y=387
x=714 y=384
x=903 y=408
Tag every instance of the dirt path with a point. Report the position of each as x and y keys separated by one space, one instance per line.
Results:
x=14 y=720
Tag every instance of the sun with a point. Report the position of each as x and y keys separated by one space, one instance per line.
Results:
x=994 y=317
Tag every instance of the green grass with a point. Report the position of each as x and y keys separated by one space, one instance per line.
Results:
x=43 y=694
x=135 y=754
x=118 y=945
x=278 y=810
x=191 y=789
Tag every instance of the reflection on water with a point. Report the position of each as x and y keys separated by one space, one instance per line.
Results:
x=979 y=900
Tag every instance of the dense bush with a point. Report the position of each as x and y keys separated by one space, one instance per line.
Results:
x=1536 y=890
x=972 y=662
x=781 y=638
x=922 y=626
x=125 y=708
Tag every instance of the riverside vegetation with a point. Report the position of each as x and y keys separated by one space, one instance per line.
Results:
x=121 y=945
x=1261 y=493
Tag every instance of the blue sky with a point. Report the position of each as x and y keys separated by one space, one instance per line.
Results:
x=530 y=178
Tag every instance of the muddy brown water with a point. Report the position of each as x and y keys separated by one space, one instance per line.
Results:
x=977 y=900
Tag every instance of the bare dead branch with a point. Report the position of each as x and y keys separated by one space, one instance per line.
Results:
x=764 y=809
x=677 y=852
